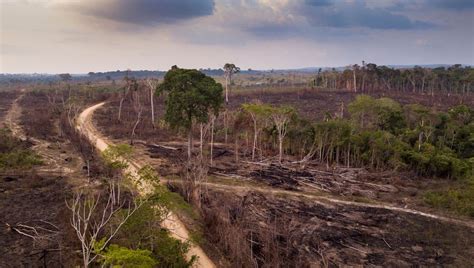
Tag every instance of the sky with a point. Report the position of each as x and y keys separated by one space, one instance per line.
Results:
x=80 y=36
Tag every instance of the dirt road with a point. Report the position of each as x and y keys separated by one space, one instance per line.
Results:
x=172 y=222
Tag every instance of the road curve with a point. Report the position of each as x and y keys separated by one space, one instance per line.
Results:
x=172 y=222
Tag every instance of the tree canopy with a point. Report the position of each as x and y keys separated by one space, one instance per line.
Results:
x=192 y=96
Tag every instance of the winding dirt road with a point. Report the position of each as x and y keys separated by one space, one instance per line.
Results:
x=172 y=222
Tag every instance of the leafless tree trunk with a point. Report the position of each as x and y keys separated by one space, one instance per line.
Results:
x=203 y=128
x=355 y=80
x=190 y=143
x=195 y=173
x=225 y=125
x=122 y=99
x=227 y=78
x=89 y=221
x=255 y=135
x=152 y=84
x=213 y=120
x=281 y=123
x=138 y=109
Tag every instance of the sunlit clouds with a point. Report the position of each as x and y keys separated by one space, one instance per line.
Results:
x=97 y=35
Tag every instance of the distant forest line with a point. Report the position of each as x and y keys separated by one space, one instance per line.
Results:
x=452 y=79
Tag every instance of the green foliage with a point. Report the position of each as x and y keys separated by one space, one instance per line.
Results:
x=143 y=230
x=19 y=159
x=457 y=199
x=15 y=154
x=383 y=113
x=148 y=174
x=117 y=256
x=259 y=110
x=116 y=156
x=384 y=135
x=300 y=137
x=191 y=97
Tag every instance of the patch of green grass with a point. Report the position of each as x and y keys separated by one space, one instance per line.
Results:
x=459 y=200
x=19 y=159
x=15 y=154
x=175 y=202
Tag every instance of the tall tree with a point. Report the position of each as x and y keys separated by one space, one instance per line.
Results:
x=355 y=68
x=65 y=77
x=281 y=117
x=152 y=85
x=192 y=97
x=229 y=70
x=259 y=113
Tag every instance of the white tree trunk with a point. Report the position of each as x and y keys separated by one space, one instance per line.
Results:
x=190 y=142
x=152 y=108
x=212 y=138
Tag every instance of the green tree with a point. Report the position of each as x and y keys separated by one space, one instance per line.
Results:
x=65 y=77
x=259 y=113
x=191 y=97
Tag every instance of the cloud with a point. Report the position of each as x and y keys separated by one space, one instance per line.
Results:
x=145 y=12
x=318 y=3
x=451 y=4
x=357 y=14
x=316 y=19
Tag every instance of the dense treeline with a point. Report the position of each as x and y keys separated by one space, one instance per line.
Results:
x=379 y=134
x=370 y=77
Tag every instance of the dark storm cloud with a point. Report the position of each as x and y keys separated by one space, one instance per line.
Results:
x=452 y=4
x=149 y=12
x=350 y=15
x=318 y=3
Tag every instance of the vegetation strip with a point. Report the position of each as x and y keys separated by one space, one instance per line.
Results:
x=172 y=222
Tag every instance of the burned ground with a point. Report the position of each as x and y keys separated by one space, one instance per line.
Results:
x=297 y=233
x=35 y=201
x=36 y=197
x=6 y=100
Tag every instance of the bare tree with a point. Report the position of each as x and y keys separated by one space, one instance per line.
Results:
x=137 y=106
x=203 y=129
x=259 y=113
x=281 y=117
x=89 y=219
x=152 y=85
x=195 y=173
x=212 y=121
x=124 y=94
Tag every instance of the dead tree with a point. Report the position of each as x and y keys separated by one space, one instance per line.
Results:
x=212 y=121
x=137 y=106
x=41 y=231
x=203 y=129
x=124 y=94
x=195 y=172
x=122 y=99
x=89 y=219
x=281 y=117
x=259 y=113
x=152 y=85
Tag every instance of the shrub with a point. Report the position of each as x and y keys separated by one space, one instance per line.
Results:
x=459 y=200
x=117 y=256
